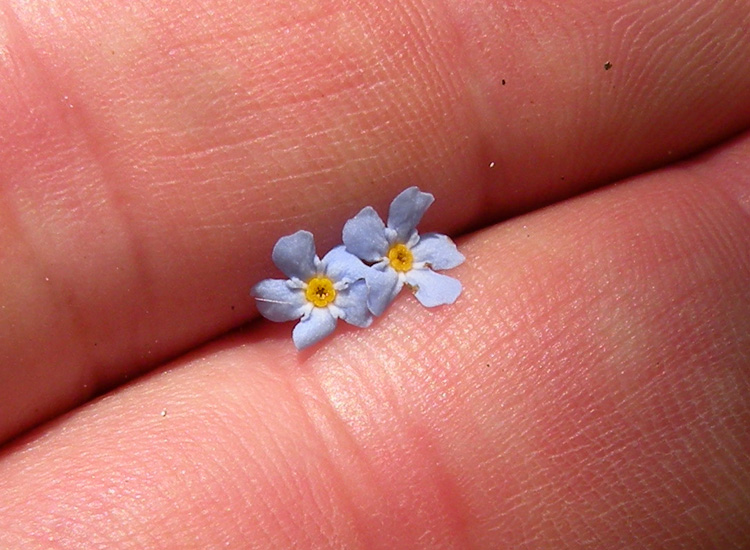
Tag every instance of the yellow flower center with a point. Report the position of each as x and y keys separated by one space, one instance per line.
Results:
x=320 y=291
x=401 y=257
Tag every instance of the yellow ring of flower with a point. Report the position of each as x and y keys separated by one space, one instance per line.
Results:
x=400 y=257
x=320 y=291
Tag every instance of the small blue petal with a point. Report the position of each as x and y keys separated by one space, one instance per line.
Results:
x=340 y=265
x=353 y=304
x=433 y=289
x=277 y=301
x=313 y=328
x=383 y=287
x=406 y=211
x=364 y=235
x=294 y=255
x=438 y=251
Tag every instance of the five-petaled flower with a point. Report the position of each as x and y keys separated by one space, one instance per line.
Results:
x=361 y=277
x=318 y=292
x=400 y=256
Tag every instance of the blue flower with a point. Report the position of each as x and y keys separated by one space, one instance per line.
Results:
x=400 y=255
x=318 y=292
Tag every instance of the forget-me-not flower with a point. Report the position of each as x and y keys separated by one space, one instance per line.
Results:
x=401 y=256
x=318 y=292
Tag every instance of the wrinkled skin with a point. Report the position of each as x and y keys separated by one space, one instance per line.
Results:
x=589 y=388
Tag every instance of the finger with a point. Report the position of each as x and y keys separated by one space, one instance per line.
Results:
x=588 y=388
x=152 y=155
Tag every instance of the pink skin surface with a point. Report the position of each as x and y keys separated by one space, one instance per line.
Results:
x=589 y=389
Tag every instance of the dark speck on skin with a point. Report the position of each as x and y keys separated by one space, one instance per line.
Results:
x=607 y=66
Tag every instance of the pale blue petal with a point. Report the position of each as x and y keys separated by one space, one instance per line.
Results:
x=406 y=211
x=433 y=289
x=313 y=328
x=277 y=301
x=438 y=251
x=294 y=255
x=353 y=304
x=364 y=235
x=340 y=265
x=383 y=287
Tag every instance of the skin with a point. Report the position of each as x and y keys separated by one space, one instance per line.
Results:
x=589 y=387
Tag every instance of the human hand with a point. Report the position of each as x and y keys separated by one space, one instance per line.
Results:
x=588 y=388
